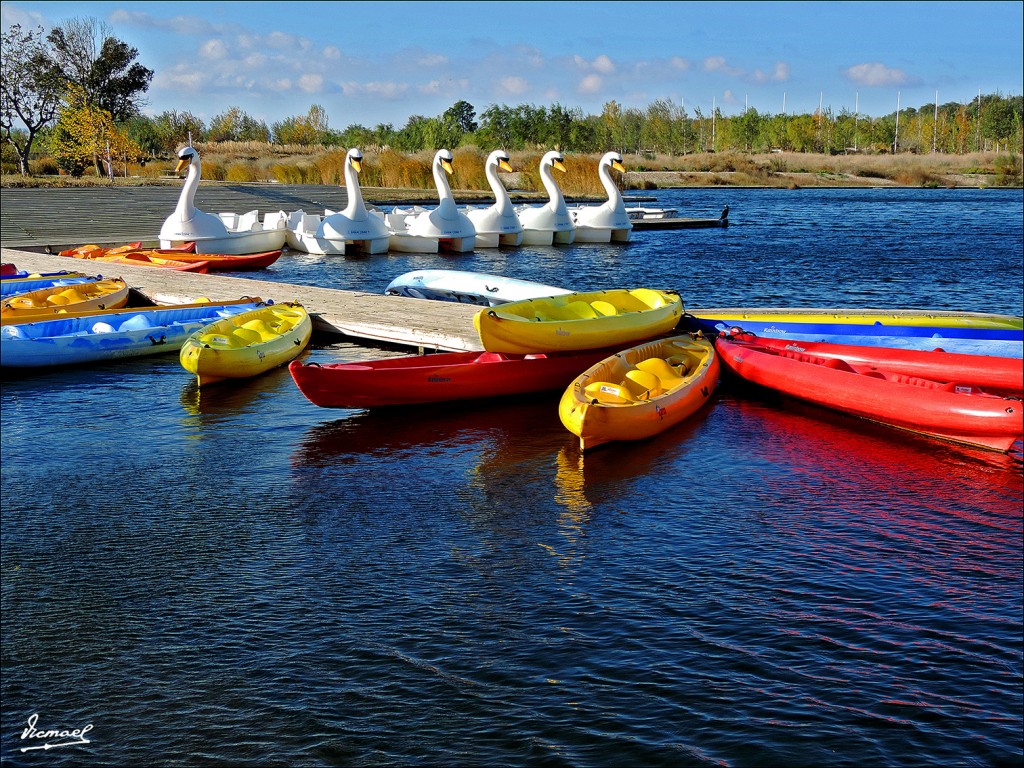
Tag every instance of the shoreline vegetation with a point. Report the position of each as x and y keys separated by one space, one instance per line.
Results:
x=393 y=176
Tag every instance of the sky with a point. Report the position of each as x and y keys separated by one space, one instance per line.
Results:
x=373 y=63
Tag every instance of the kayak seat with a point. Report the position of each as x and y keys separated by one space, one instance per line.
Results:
x=606 y=393
x=247 y=336
x=135 y=323
x=604 y=308
x=260 y=327
x=102 y=327
x=839 y=365
x=220 y=341
x=666 y=374
x=580 y=310
x=642 y=385
x=491 y=357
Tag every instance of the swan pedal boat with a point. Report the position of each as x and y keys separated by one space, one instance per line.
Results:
x=38 y=280
x=496 y=225
x=608 y=222
x=436 y=378
x=996 y=374
x=577 y=321
x=640 y=392
x=467 y=287
x=356 y=228
x=110 y=334
x=227 y=233
x=60 y=300
x=551 y=223
x=445 y=228
x=247 y=344
x=975 y=333
x=952 y=411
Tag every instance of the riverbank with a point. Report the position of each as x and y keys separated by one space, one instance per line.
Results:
x=785 y=170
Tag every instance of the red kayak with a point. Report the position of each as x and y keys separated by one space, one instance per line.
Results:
x=438 y=377
x=959 y=412
x=222 y=262
x=999 y=374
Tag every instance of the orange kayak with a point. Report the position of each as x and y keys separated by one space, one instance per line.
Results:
x=144 y=259
x=91 y=251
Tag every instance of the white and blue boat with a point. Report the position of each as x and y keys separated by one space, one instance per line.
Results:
x=110 y=335
x=468 y=287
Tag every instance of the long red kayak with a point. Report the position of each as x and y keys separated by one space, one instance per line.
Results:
x=962 y=413
x=222 y=262
x=438 y=377
x=1002 y=374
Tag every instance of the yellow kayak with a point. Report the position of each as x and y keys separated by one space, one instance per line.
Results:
x=578 y=321
x=62 y=300
x=640 y=392
x=247 y=344
x=886 y=317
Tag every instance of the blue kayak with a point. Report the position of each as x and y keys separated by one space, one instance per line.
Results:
x=12 y=286
x=958 y=332
x=110 y=335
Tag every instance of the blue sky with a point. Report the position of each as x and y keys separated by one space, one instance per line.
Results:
x=381 y=62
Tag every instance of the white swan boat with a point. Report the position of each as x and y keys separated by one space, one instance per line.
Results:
x=355 y=228
x=608 y=222
x=227 y=233
x=428 y=231
x=496 y=225
x=468 y=287
x=550 y=223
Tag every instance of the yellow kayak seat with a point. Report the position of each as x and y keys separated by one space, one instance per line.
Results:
x=642 y=384
x=604 y=308
x=260 y=326
x=660 y=367
x=247 y=336
x=580 y=310
x=606 y=393
x=220 y=341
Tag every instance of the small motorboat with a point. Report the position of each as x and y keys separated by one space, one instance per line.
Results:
x=444 y=228
x=646 y=213
x=247 y=344
x=576 y=321
x=354 y=229
x=33 y=282
x=640 y=392
x=549 y=224
x=973 y=333
x=228 y=233
x=999 y=374
x=109 y=335
x=75 y=299
x=467 y=287
x=436 y=378
x=948 y=410
x=150 y=259
x=496 y=225
x=608 y=222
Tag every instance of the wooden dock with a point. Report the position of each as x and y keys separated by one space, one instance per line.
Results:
x=424 y=325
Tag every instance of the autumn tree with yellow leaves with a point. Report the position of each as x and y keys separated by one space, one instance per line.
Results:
x=86 y=134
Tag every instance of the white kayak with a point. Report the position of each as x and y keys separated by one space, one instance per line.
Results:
x=468 y=287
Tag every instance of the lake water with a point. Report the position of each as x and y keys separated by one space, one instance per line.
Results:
x=236 y=577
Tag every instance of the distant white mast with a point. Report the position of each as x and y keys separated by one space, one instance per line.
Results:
x=856 y=116
x=714 y=109
x=783 y=103
x=935 y=122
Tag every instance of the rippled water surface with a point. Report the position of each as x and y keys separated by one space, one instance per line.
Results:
x=237 y=577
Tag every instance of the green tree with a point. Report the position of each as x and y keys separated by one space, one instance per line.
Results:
x=30 y=90
x=88 y=55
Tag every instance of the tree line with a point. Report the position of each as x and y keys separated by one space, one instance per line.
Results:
x=76 y=92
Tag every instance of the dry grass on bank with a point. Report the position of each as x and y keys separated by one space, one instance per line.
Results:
x=242 y=162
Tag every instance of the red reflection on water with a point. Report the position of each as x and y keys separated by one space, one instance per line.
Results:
x=983 y=487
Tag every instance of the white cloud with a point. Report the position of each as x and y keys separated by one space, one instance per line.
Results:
x=514 y=86
x=604 y=64
x=432 y=60
x=719 y=64
x=332 y=53
x=590 y=84
x=678 y=62
x=875 y=74
x=179 y=25
x=213 y=49
x=311 y=83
